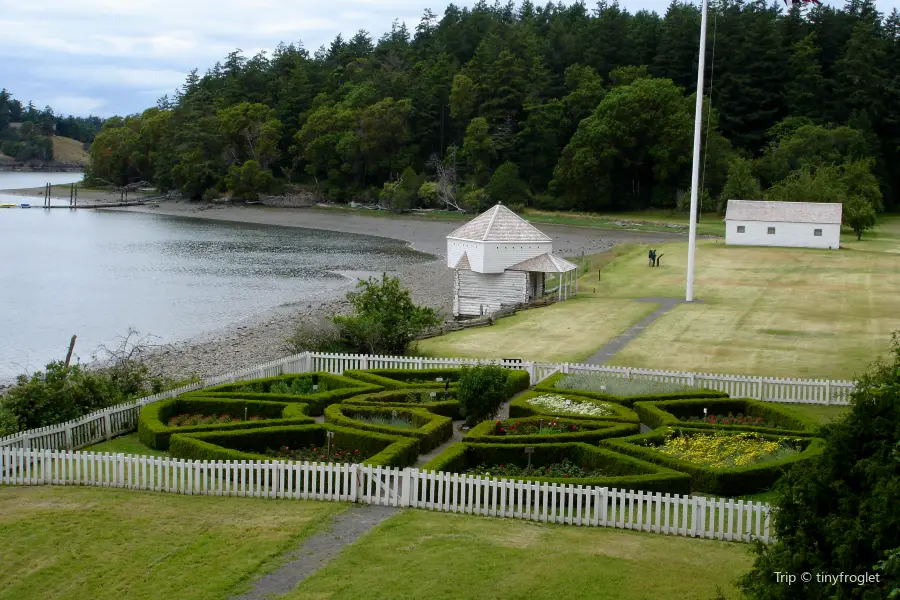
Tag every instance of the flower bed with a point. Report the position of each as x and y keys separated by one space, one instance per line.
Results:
x=621 y=389
x=410 y=398
x=192 y=420
x=617 y=470
x=570 y=406
x=336 y=388
x=723 y=450
x=754 y=471
x=155 y=428
x=538 y=430
x=762 y=417
x=395 y=379
x=429 y=430
x=252 y=444
x=564 y=470
x=321 y=454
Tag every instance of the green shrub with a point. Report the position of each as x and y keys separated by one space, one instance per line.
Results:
x=625 y=472
x=520 y=407
x=677 y=413
x=411 y=398
x=431 y=430
x=395 y=379
x=628 y=393
x=154 y=432
x=481 y=391
x=339 y=388
x=251 y=444
x=735 y=481
x=589 y=432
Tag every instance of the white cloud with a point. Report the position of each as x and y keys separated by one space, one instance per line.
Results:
x=77 y=105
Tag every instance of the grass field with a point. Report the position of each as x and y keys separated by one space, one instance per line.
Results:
x=571 y=332
x=125 y=444
x=98 y=544
x=68 y=150
x=445 y=556
x=783 y=312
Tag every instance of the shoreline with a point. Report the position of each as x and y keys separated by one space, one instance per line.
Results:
x=261 y=337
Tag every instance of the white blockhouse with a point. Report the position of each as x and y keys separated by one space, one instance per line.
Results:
x=501 y=260
x=790 y=224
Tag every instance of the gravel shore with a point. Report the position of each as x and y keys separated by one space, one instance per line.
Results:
x=262 y=337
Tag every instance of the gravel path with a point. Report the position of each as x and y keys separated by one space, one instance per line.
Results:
x=318 y=550
x=620 y=341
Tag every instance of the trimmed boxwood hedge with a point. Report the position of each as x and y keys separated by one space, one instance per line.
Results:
x=340 y=388
x=589 y=432
x=519 y=408
x=250 y=444
x=154 y=432
x=394 y=379
x=432 y=430
x=626 y=472
x=671 y=413
x=548 y=384
x=397 y=399
x=736 y=481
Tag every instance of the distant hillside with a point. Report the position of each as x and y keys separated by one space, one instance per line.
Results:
x=69 y=151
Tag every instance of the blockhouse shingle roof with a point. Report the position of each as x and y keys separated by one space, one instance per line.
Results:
x=499 y=224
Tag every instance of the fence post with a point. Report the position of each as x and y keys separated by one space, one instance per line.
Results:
x=827 y=392
x=364 y=363
x=405 y=486
x=70 y=437
x=419 y=363
x=531 y=373
x=107 y=426
x=759 y=388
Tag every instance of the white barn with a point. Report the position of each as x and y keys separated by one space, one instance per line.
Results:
x=790 y=224
x=501 y=260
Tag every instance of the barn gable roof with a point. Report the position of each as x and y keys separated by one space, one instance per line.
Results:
x=499 y=224
x=780 y=212
x=544 y=263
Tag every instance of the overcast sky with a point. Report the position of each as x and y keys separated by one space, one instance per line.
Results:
x=108 y=57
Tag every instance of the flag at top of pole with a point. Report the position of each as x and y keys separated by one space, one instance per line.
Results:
x=695 y=173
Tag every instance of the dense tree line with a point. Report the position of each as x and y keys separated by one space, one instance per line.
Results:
x=30 y=139
x=552 y=106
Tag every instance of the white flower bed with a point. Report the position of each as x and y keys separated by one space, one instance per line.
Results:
x=558 y=404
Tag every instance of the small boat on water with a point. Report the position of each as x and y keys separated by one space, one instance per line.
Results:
x=7 y=205
x=25 y=205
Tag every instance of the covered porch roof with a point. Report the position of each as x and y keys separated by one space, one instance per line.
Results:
x=544 y=263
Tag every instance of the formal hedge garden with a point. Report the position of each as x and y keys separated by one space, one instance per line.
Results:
x=556 y=432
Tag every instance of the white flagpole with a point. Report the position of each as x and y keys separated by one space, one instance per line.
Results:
x=695 y=175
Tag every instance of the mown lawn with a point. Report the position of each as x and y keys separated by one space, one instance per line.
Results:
x=97 y=544
x=766 y=311
x=418 y=554
x=569 y=331
x=125 y=444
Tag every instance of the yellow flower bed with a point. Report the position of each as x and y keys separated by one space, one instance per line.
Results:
x=720 y=450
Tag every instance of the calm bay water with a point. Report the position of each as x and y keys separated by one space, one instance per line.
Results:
x=95 y=274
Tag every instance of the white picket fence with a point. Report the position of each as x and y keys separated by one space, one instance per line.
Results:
x=116 y=420
x=689 y=516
